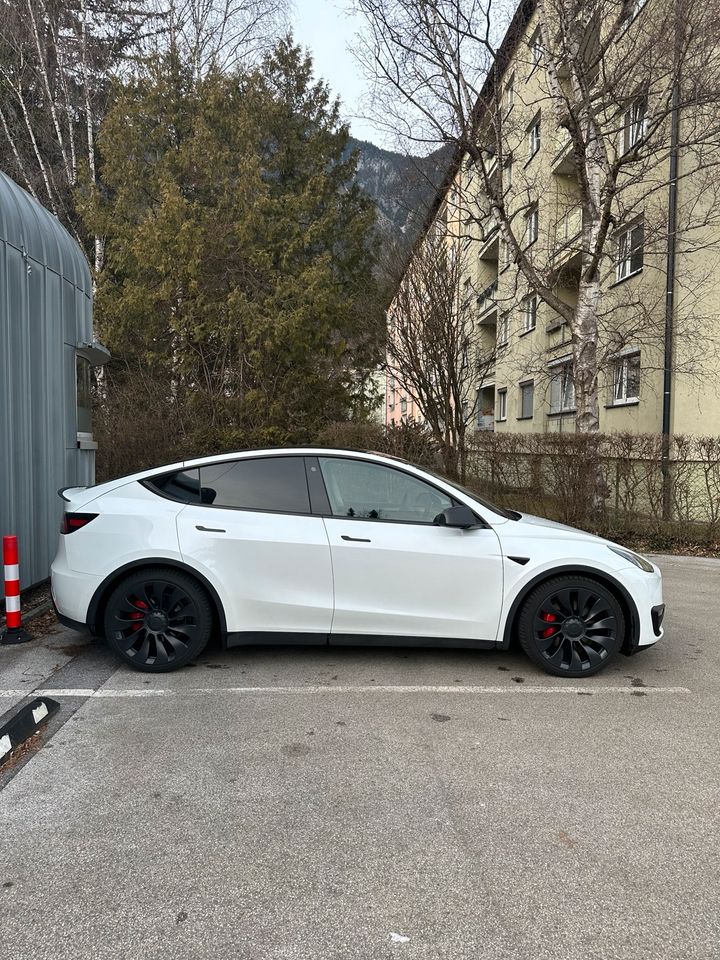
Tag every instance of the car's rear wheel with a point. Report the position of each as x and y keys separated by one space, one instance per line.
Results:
x=158 y=619
x=571 y=626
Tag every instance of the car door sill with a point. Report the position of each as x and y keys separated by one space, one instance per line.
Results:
x=388 y=640
x=245 y=638
x=280 y=638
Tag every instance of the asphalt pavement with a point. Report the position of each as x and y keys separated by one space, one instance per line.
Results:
x=363 y=804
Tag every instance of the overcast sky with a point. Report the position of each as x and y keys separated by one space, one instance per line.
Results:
x=328 y=29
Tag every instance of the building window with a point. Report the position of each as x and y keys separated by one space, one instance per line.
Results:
x=626 y=379
x=562 y=388
x=527 y=391
x=83 y=395
x=532 y=225
x=509 y=98
x=634 y=125
x=630 y=245
x=530 y=305
x=536 y=48
x=508 y=174
x=403 y=405
x=502 y=404
x=533 y=138
x=503 y=334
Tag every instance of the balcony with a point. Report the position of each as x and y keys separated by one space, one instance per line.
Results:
x=487 y=303
x=485 y=341
x=567 y=253
x=490 y=246
x=555 y=326
x=563 y=163
x=486 y=422
x=486 y=408
x=589 y=20
x=568 y=227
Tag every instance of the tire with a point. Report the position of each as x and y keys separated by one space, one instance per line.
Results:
x=158 y=619
x=571 y=626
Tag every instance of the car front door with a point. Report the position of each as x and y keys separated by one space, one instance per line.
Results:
x=253 y=535
x=398 y=574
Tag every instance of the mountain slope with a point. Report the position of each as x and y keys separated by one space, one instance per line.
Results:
x=402 y=187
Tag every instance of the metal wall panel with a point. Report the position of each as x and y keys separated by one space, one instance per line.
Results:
x=45 y=312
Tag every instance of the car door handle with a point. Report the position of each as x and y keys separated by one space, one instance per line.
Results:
x=355 y=539
x=210 y=529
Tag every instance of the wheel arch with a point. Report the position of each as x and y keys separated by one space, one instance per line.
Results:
x=96 y=609
x=620 y=592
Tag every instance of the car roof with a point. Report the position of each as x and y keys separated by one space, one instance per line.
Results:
x=87 y=494
x=292 y=451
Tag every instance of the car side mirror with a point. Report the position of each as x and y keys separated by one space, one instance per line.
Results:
x=458 y=516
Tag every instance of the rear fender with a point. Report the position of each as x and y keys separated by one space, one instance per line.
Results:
x=96 y=609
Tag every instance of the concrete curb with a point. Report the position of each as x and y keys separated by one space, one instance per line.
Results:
x=37 y=611
x=25 y=723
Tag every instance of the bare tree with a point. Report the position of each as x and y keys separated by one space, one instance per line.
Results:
x=58 y=59
x=218 y=34
x=56 y=63
x=627 y=90
x=432 y=350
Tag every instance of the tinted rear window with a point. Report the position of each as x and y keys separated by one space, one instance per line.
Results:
x=183 y=485
x=268 y=483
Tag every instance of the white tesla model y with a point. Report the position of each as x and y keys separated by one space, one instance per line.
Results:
x=339 y=547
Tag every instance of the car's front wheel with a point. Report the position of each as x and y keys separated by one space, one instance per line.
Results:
x=158 y=619
x=571 y=626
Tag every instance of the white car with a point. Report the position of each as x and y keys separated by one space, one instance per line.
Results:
x=340 y=547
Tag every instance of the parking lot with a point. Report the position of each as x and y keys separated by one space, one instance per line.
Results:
x=287 y=802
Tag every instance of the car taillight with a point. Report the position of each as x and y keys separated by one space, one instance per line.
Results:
x=74 y=521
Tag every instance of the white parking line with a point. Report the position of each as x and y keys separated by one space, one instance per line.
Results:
x=516 y=689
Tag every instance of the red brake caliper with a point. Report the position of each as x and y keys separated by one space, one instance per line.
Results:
x=138 y=615
x=548 y=618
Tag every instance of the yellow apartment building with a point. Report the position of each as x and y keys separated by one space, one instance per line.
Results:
x=531 y=386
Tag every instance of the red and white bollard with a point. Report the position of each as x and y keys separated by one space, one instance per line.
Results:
x=14 y=632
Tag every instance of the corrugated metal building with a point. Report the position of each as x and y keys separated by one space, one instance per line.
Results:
x=46 y=351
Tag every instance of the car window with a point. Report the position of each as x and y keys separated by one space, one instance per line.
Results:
x=501 y=511
x=265 y=483
x=357 y=488
x=182 y=485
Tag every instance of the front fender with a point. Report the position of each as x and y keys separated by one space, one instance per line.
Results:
x=523 y=585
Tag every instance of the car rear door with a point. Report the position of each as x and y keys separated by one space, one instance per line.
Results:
x=396 y=573
x=253 y=535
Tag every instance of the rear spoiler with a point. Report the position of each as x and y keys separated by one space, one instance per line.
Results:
x=62 y=491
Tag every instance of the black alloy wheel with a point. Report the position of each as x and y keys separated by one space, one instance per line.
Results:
x=571 y=626
x=158 y=619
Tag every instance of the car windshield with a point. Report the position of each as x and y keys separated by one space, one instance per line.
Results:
x=502 y=511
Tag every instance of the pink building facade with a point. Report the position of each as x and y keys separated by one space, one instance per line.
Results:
x=398 y=405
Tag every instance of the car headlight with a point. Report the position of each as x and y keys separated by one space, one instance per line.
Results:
x=634 y=558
